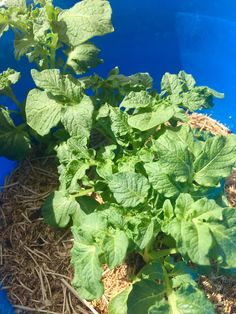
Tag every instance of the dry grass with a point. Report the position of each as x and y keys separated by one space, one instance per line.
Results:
x=35 y=259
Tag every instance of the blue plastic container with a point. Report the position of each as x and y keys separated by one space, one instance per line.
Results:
x=157 y=36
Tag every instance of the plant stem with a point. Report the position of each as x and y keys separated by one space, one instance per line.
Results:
x=147 y=251
x=12 y=96
x=150 y=255
x=53 y=48
x=21 y=126
x=82 y=193
x=170 y=292
x=163 y=253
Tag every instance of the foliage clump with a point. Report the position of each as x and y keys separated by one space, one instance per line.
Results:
x=162 y=183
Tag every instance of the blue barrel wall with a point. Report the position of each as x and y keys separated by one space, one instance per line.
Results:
x=157 y=36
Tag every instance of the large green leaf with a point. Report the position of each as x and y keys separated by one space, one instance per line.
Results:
x=161 y=181
x=187 y=299
x=137 y=100
x=204 y=230
x=83 y=57
x=58 y=85
x=115 y=247
x=42 y=111
x=119 y=122
x=129 y=189
x=93 y=224
x=14 y=142
x=58 y=209
x=152 y=271
x=118 y=304
x=224 y=235
x=144 y=294
x=84 y=20
x=148 y=120
x=177 y=83
x=174 y=293
x=126 y=84
x=87 y=268
x=174 y=157
x=181 y=90
x=77 y=119
x=216 y=160
x=22 y=45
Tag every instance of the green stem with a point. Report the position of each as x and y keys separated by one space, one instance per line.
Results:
x=12 y=96
x=82 y=193
x=53 y=48
x=170 y=292
x=147 y=251
x=150 y=255
x=163 y=253
x=21 y=126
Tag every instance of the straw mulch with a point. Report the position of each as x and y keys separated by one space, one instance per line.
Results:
x=35 y=259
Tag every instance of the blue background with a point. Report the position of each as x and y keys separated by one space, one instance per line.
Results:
x=157 y=36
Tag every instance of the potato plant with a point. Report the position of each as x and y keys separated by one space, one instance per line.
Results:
x=161 y=183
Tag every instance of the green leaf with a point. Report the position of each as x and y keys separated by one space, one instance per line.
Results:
x=135 y=100
x=204 y=230
x=174 y=157
x=119 y=124
x=114 y=214
x=83 y=57
x=160 y=307
x=58 y=209
x=161 y=181
x=152 y=271
x=104 y=169
x=8 y=78
x=14 y=142
x=118 y=304
x=42 y=112
x=78 y=147
x=144 y=294
x=129 y=189
x=175 y=84
x=224 y=235
x=23 y=45
x=181 y=90
x=74 y=172
x=148 y=235
x=115 y=248
x=216 y=160
x=189 y=299
x=16 y=3
x=92 y=224
x=88 y=204
x=148 y=120
x=58 y=85
x=128 y=163
x=87 y=268
x=3 y=26
x=167 y=295
x=182 y=274
x=77 y=119
x=85 y=20
x=199 y=97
